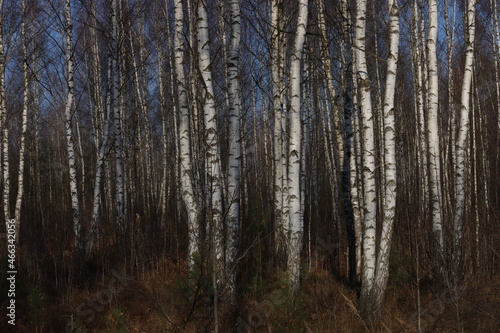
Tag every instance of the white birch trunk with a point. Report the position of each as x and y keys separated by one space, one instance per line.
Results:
x=280 y=237
x=369 y=164
x=349 y=172
x=184 y=138
x=82 y=160
x=419 y=69
x=211 y=140
x=449 y=140
x=164 y=190
x=117 y=123
x=68 y=113
x=450 y=30
x=474 y=156
x=24 y=125
x=234 y=167
x=433 y=139
x=356 y=189
x=93 y=234
x=294 y=157
x=463 y=132
x=389 y=132
x=4 y=126
x=355 y=175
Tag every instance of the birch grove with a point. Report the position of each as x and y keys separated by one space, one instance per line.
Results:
x=245 y=160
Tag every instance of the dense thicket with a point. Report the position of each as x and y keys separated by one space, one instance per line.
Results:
x=235 y=136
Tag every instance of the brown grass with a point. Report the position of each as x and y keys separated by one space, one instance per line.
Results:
x=158 y=300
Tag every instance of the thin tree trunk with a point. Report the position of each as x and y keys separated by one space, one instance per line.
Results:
x=339 y=144
x=355 y=174
x=117 y=123
x=75 y=205
x=185 y=139
x=418 y=67
x=24 y=125
x=4 y=125
x=450 y=32
x=276 y=41
x=349 y=166
x=463 y=132
x=234 y=166
x=368 y=148
x=211 y=139
x=433 y=139
x=390 y=189
x=164 y=138
x=294 y=157
x=93 y=234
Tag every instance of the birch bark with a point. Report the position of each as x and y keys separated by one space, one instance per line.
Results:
x=349 y=172
x=276 y=41
x=4 y=125
x=295 y=153
x=463 y=133
x=117 y=121
x=234 y=167
x=368 y=149
x=75 y=205
x=24 y=125
x=433 y=139
x=185 y=139
x=211 y=140
x=93 y=234
x=389 y=132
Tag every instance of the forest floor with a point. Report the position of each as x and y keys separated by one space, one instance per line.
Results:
x=159 y=299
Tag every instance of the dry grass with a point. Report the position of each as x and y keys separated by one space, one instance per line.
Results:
x=159 y=300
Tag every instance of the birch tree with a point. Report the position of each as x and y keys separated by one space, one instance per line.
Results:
x=213 y=171
x=389 y=134
x=24 y=123
x=419 y=83
x=368 y=158
x=68 y=114
x=295 y=153
x=93 y=229
x=376 y=254
x=101 y=117
x=433 y=140
x=276 y=42
x=234 y=167
x=463 y=133
x=4 y=123
x=349 y=172
x=115 y=105
x=184 y=137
